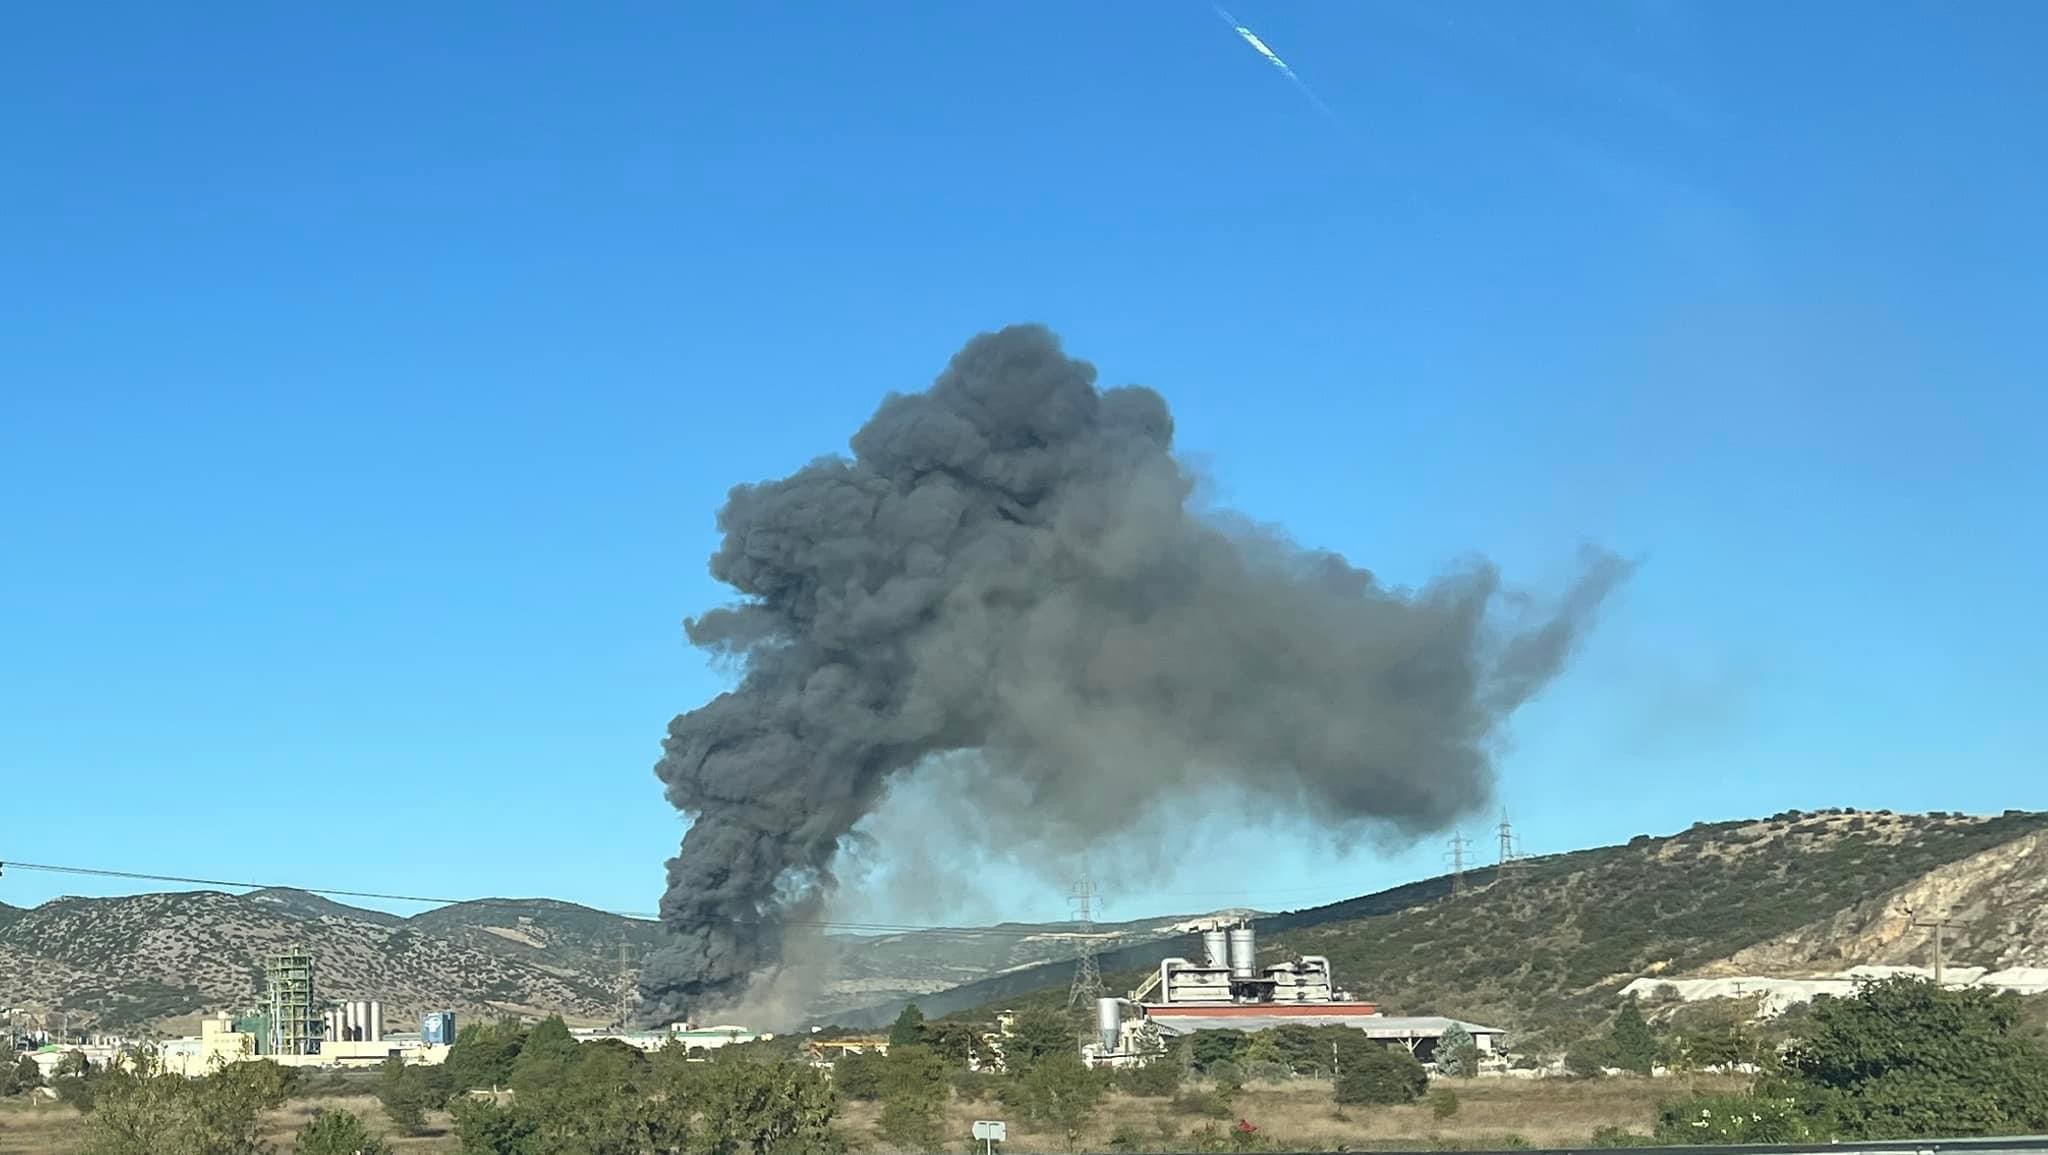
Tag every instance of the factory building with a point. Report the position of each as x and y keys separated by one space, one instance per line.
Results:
x=1227 y=989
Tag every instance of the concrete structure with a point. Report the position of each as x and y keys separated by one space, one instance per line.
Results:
x=1773 y=995
x=217 y=1045
x=1229 y=990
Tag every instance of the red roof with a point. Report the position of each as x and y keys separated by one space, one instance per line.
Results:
x=1259 y=1010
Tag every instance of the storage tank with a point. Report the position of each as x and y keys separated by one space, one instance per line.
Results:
x=376 y=1034
x=1215 y=949
x=360 y=1010
x=1244 y=953
x=438 y=1029
x=1109 y=1023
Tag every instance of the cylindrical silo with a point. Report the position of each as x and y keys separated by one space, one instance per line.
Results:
x=1215 y=949
x=1244 y=953
x=376 y=1034
x=362 y=1019
x=1109 y=1023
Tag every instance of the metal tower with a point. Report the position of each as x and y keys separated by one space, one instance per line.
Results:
x=295 y=1027
x=1510 y=851
x=1459 y=844
x=1087 y=973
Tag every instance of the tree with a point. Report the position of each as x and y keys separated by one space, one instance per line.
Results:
x=1904 y=1058
x=147 y=1112
x=1631 y=1046
x=1158 y=1079
x=338 y=1133
x=486 y=1128
x=1382 y=1075
x=483 y=1055
x=1035 y=1035
x=754 y=1108
x=956 y=1043
x=858 y=1076
x=1457 y=1053
x=404 y=1093
x=19 y=1076
x=908 y=1030
x=1207 y=1048
x=545 y=1058
x=1060 y=1090
x=913 y=1098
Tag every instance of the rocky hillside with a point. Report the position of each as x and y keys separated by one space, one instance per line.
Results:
x=1544 y=951
x=154 y=959
x=1996 y=904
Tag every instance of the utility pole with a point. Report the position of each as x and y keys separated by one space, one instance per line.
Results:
x=625 y=985
x=1457 y=856
x=1087 y=973
x=1939 y=925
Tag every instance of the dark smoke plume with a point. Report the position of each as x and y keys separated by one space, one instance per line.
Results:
x=1011 y=564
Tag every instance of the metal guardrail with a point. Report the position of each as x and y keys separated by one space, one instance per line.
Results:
x=1974 y=1146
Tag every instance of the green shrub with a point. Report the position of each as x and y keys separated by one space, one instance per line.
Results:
x=1205 y=1103
x=1384 y=1075
x=859 y=1076
x=1159 y=1079
x=337 y=1133
x=1443 y=1103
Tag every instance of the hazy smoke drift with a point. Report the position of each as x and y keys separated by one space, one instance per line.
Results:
x=1010 y=564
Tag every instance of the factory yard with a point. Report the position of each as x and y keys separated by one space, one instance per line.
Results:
x=1291 y=1115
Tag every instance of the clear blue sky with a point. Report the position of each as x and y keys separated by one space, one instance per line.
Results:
x=372 y=373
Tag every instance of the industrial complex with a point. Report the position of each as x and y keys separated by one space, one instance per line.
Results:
x=1228 y=990
x=295 y=1027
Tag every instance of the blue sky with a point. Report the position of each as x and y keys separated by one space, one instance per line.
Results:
x=371 y=377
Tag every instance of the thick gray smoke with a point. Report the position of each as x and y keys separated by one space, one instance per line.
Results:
x=1011 y=564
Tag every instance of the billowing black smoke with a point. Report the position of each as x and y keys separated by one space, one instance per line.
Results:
x=1010 y=564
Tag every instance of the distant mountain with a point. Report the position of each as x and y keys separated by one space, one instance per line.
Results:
x=1546 y=949
x=152 y=959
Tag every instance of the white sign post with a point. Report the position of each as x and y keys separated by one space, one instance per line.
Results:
x=990 y=1132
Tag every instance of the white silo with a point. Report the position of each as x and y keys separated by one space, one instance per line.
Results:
x=376 y=1034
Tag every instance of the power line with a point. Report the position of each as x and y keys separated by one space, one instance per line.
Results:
x=642 y=916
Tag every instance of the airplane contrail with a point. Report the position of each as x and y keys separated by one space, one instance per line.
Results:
x=1273 y=58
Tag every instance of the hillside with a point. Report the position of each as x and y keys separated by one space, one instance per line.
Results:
x=1543 y=952
x=144 y=959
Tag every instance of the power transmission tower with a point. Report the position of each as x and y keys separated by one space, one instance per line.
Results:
x=1457 y=856
x=1510 y=850
x=1087 y=974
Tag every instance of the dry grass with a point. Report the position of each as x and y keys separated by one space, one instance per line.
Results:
x=1298 y=1115
x=1302 y=1115
x=53 y=1129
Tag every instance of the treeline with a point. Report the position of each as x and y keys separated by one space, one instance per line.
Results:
x=1902 y=1059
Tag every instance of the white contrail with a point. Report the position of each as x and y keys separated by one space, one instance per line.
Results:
x=1273 y=58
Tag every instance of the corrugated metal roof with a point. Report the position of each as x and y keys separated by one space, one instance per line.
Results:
x=1376 y=1026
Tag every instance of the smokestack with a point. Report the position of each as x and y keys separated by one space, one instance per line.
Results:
x=1011 y=563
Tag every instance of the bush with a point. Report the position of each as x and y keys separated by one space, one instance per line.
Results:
x=1227 y=1075
x=1159 y=1079
x=1443 y=1103
x=1737 y=1119
x=404 y=1094
x=913 y=1097
x=859 y=1076
x=337 y=1133
x=1383 y=1075
x=1205 y=1103
x=1619 y=1137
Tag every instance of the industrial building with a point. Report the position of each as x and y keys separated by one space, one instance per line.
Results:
x=1228 y=990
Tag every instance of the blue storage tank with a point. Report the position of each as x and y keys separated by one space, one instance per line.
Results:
x=437 y=1029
